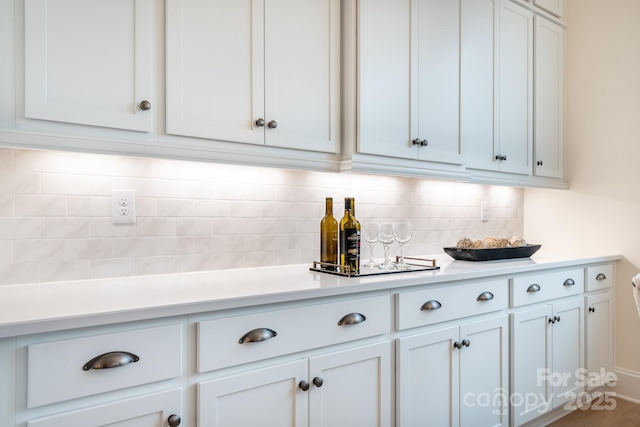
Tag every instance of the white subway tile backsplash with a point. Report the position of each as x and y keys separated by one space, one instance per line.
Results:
x=89 y=249
x=112 y=267
x=55 y=214
x=40 y=205
x=66 y=228
x=20 y=228
x=38 y=250
x=51 y=271
x=6 y=205
x=19 y=183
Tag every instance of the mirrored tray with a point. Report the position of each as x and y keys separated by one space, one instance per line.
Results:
x=414 y=264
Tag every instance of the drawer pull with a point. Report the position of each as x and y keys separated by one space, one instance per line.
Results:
x=430 y=305
x=592 y=309
x=534 y=288
x=113 y=359
x=317 y=381
x=260 y=334
x=601 y=276
x=569 y=282
x=485 y=296
x=352 y=319
x=304 y=386
x=174 y=420
x=466 y=343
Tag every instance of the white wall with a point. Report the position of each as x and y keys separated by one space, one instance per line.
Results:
x=55 y=214
x=600 y=213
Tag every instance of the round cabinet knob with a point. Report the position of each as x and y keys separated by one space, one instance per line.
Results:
x=424 y=143
x=273 y=124
x=466 y=343
x=592 y=309
x=145 y=106
x=174 y=420
x=304 y=386
x=317 y=381
x=416 y=141
x=260 y=123
x=539 y=163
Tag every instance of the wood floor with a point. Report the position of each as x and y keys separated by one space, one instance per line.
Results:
x=625 y=414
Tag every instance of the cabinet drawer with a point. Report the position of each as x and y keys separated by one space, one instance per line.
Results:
x=242 y=339
x=419 y=308
x=149 y=410
x=130 y=358
x=599 y=277
x=535 y=288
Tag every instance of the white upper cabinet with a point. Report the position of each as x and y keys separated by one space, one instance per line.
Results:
x=477 y=83
x=549 y=99
x=254 y=71
x=514 y=131
x=90 y=62
x=554 y=7
x=408 y=81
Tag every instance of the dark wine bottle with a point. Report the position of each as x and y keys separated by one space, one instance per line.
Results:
x=350 y=237
x=329 y=236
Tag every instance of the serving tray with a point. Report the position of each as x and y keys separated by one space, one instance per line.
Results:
x=338 y=270
x=492 y=254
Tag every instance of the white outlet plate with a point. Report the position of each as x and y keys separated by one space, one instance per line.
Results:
x=484 y=211
x=123 y=206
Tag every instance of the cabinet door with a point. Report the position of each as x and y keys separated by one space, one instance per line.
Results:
x=568 y=350
x=146 y=411
x=435 y=71
x=269 y=397
x=384 y=78
x=477 y=56
x=555 y=7
x=215 y=69
x=484 y=373
x=302 y=59
x=515 y=88
x=355 y=389
x=599 y=338
x=427 y=379
x=530 y=356
x=549 y=99
x=89 y=62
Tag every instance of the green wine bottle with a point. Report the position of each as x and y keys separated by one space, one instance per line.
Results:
x=329 y=236
x=350 y=237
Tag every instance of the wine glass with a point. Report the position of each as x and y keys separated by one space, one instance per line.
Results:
x=386 y=237
x=371 y=236
x=402 y=231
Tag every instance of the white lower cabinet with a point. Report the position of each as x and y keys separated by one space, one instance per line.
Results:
x=349 y=387
x=598 y=339
x=454 y=376
x=154 y=410
x=547 y=356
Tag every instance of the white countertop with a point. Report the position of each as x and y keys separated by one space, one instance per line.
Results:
x=44 y=307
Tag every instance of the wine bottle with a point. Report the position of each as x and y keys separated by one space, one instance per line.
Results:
x=329 y=236
x=350 y=237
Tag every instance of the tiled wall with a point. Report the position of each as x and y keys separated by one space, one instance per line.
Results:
x=55 y=214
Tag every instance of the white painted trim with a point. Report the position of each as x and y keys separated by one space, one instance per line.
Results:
x=628 y=387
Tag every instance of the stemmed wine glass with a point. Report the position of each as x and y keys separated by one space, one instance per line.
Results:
x=402 y=231
x=371 y=236
x=386 y=237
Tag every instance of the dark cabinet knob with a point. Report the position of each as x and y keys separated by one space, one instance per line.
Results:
x=424 y=143
x=304 y=386
x=466 y=343
x=273 y=124
x=145 y=106
x=457 y=345
x=592 y=309
x=260 y=122
x=174 y=420
x=317 y=381
x=501 y=157
x=539 y=163
x=416 y=141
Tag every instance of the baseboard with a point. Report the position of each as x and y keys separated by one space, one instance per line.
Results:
x=628 y=386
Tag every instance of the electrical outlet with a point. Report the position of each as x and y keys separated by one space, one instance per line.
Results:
x=123 y=207
x=484 y=211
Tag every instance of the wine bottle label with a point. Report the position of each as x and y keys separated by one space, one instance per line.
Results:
x=350 y=248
